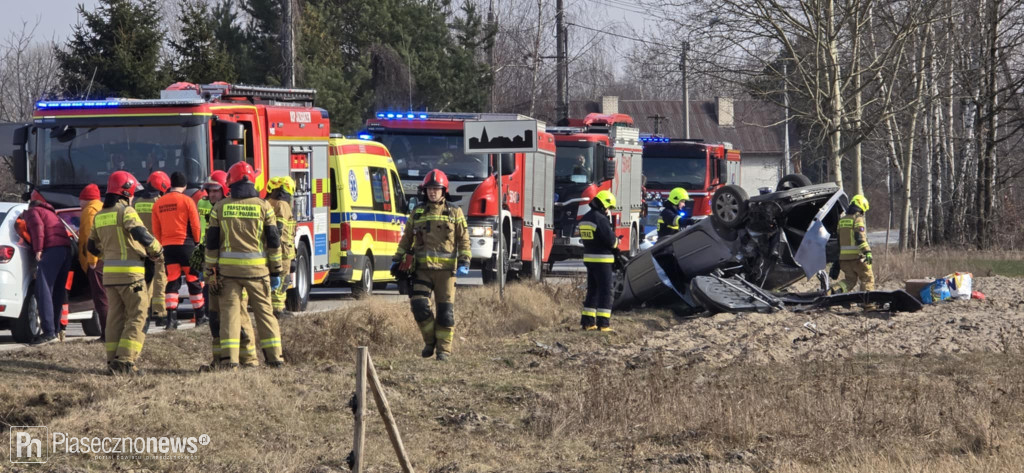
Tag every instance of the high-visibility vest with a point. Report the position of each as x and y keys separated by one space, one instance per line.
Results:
x=853 y=239
x=122 y=254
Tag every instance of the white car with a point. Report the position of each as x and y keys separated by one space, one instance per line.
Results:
x=18 y=310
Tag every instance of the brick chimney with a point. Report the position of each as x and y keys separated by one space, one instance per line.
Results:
x=609 y=104
x=723 y=107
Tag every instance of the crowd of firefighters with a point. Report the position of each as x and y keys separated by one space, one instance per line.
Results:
x=235 y=252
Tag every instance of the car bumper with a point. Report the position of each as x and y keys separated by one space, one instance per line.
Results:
x=13 y=296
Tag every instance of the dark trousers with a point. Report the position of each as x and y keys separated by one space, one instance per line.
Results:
x=177 y=262
x=99 y=294
x=51 y=286
x=598 y=303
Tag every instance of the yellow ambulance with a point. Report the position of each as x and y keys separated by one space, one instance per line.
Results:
x=368 y=213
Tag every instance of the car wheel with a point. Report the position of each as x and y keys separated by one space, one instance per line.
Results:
x=729 y=206
x=792 y=181
x=536 y=266
x=298 y=296
x=364 y=287
x=91 y=326
x=27 y=326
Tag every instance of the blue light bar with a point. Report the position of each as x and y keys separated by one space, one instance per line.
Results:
x=365 y=136
x=654 y=139
x=66 y=104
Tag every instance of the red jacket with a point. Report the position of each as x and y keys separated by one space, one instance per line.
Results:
x=45 y=227
x=175 y=219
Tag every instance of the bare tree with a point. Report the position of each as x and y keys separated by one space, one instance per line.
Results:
x=28 y=72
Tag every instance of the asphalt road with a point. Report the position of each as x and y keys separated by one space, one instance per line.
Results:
x=321 y=299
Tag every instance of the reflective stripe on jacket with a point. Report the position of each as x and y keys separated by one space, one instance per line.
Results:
x=853 y=237
x=438 y=235
x=243 y=250
x=598 y=236
x=122 y=252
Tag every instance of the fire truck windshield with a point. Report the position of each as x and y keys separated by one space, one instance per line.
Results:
x=415 y=155
x=76 y=156
x=670 y=172
x=574 y=164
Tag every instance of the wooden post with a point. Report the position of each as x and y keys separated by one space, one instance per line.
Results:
x=359 y=438
x=389 y=420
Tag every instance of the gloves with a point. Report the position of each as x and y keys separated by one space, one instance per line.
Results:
x=394 y=269
x=275 y=283
x=406 y=265
x=463 y=270
x=867 y=257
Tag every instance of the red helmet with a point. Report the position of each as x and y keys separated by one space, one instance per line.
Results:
x=159 y=181
x=122 y=183
x=219 y=179
x=435 y=178
x=239 y=171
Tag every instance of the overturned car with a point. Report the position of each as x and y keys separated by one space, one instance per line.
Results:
x=748 y=248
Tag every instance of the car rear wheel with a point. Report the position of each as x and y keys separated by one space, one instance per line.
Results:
x=298 y=296
x=729 y=206
x=27 y=326
x=792 y=181
x=364 y=287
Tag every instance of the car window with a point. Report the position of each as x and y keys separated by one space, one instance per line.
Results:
x=381 y=189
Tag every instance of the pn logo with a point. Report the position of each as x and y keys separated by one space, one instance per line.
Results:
x=29 y=444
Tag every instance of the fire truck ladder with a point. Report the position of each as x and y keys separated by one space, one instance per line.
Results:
x=259 y=94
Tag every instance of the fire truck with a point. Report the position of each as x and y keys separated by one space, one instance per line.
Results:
x=700 y=168
x=604 y=154
x=193 y=129
x=421 y=141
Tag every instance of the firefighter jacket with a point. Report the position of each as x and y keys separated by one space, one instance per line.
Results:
x=599 y=241
x=120 y=238
x=853 y=237
x=438 y=236
x=204 y=206
x=668 y=221
x=85 y=258
x=176 y=219
x=143 y=204
x=242 y=239
x=285 y=224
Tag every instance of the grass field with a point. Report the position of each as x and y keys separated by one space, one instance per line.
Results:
x=527 y=392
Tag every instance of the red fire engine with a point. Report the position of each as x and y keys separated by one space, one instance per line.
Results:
x=421 y=141
x=604 y=154
x=193 y=129
x=700 y=168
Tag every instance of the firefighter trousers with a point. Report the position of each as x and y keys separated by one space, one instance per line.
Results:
x=157 y=283
x=125 y=319
x=856 y=270
x=597 y=306
x=232 y=313
x=246 y=343
x=437 y=330
x=279 y=296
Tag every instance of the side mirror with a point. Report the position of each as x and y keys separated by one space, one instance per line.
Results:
x=230 y=131
x=228 y=134
x=508 y=164
x=609 y=168
x=723 y=172
x=19 y=160
x=233 y=153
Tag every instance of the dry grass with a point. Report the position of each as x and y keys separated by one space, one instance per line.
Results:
x=527 y=394
x=935 y=262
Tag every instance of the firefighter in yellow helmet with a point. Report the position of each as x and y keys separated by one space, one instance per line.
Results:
x=671 y=218
x=281 y=189
x=243 y=251
x=434 y=248
x=120 y=238
x=854 y=251
x=600 y=247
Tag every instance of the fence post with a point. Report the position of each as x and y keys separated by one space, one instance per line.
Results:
x=389 y=419
x=359 y=438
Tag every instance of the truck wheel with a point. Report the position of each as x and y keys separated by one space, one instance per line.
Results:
x=729 y=206
x=489 y=272
x=298 y=297
x=364 y=287
x=27 y=326
x=91 y=326
x=792 y=181
x=536 y=267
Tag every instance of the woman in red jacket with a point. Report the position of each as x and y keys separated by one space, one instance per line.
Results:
x=52 y=249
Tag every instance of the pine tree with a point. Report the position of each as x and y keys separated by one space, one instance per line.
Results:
x=200 y=56
x=340 y=79
x=115 y=50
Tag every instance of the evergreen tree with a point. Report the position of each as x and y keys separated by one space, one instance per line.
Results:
x=115 y=50
x=260 y=61
x=200 y=56
x=340 y=79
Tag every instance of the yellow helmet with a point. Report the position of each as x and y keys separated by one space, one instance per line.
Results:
x=606 y=198
x=678 y=195
x=281 y=181
x=860 y=202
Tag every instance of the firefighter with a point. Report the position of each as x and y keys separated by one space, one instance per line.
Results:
x=854 y=252
x=176 y=225
x=599 y=252
x=156 y=277
x=434 y=247
x=119 y=237
x=671 y=213
x=243 y=251
x=280 y=199
x=89 y=201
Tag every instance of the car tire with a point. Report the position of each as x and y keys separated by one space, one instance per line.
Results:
x=91 y=326
x=535 y=268
x=298 y=297
x=27 y=327
x=364 y=287
x=729 y=206
x=792 y=181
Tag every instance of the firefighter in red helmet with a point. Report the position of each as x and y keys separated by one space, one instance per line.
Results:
x=156 y=278
x=243 y=251
x=434 y=248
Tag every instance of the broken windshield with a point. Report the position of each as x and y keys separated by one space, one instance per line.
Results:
x=76 y=156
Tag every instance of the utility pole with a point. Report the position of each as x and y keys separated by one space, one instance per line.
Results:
x=657 y=122
x=490 y=53
x=561 y=67
x=686 y=90
x=785 y=130
x=288 y=42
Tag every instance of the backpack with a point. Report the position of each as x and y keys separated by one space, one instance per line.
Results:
x=21 y=226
